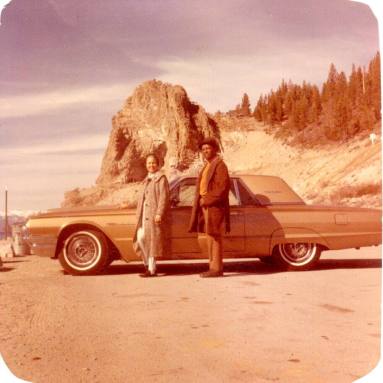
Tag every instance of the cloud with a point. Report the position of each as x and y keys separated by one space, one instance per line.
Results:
x=57 y=101
x=218 y=82
x=75 y=145
x=3 y=4
x=50 y=168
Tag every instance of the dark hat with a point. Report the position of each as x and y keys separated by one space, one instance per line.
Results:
x=210 y=141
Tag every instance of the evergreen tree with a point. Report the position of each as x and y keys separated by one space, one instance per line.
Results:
x=374 y=86
x=355 y=86
x=272 y=109
x=316 y=106
x=258 y=110
x=343 y=107
x=330 y=84
x=245 y=105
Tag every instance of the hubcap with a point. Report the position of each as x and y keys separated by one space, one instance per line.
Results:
x=82 y=251
x=297 y=254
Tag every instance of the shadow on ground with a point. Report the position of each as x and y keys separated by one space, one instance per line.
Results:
x=328 y=264
x=239 y=268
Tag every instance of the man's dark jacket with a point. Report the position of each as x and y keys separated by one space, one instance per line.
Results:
x=216 y=200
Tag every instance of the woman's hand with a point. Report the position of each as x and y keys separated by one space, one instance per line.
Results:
x=157 y=219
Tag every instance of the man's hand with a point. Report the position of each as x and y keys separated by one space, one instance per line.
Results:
x=157 y=219
x=201 y=202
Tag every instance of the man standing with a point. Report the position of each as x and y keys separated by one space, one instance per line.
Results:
x=211 y=205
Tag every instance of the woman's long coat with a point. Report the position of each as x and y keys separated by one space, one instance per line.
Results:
x=155 y=196
x=216 y=200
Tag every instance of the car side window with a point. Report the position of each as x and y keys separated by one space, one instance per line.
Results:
x=183 y=195
x=186 y=195
x=246 y=198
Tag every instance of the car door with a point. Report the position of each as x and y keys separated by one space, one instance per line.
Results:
x=188 y=245
x=183 y=243
x=260 y=222
x=234 y=242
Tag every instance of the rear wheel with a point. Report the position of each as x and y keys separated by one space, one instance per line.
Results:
x=84 y=252
x=296 y=256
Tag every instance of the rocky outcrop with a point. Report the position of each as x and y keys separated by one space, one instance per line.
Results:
x=158 y=118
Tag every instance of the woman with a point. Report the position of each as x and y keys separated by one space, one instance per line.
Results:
x=152 y=213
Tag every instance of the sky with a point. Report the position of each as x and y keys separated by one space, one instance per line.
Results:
x=68 y=66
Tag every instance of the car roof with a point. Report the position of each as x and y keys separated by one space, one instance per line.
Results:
x=267 y=189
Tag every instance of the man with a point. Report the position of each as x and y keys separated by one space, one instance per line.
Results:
x=211 y=205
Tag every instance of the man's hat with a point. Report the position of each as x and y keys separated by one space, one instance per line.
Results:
x=210 y=141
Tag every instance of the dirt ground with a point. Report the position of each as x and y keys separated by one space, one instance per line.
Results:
x=253 y=325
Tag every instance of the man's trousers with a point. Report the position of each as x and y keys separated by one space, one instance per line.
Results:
x=214 y=247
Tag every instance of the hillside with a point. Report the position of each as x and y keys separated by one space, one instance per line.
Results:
x=341 y=173
x=345 y=174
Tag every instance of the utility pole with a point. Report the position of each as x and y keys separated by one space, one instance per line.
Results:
x=6 y=213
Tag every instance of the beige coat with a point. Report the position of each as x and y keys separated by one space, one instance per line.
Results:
x=155 y=196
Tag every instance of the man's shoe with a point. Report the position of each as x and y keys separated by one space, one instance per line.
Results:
x=148 y=274
x=211 y=274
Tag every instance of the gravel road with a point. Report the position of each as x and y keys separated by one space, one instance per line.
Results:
x=253 y=325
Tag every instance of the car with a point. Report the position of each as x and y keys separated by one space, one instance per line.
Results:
x=269 y=221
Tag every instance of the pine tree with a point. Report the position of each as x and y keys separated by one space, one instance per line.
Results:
x=272 y=109
x=245 y=105
x=355 y=86
x=328 y=89
x=374 y=85
x=316 y=106
x=259 y=110
x=343 y=107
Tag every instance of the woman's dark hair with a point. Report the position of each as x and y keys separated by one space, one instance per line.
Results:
x=153 y=156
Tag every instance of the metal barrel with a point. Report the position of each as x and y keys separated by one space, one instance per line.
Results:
x=21 y=248
x=19 y=244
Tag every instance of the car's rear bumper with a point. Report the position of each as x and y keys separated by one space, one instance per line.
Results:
x=43 y=245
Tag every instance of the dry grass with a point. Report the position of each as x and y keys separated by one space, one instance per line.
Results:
x=354 y=191
x=367 y=194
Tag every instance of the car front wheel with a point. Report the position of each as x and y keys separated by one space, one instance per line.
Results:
x=84 y=252
x=297 y=256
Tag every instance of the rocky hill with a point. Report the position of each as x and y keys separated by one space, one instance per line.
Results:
x=160 y=118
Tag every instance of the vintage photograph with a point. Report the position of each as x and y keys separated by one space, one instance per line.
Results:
x=190 y=191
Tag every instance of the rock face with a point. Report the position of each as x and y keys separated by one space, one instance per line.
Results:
x=158 y=118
